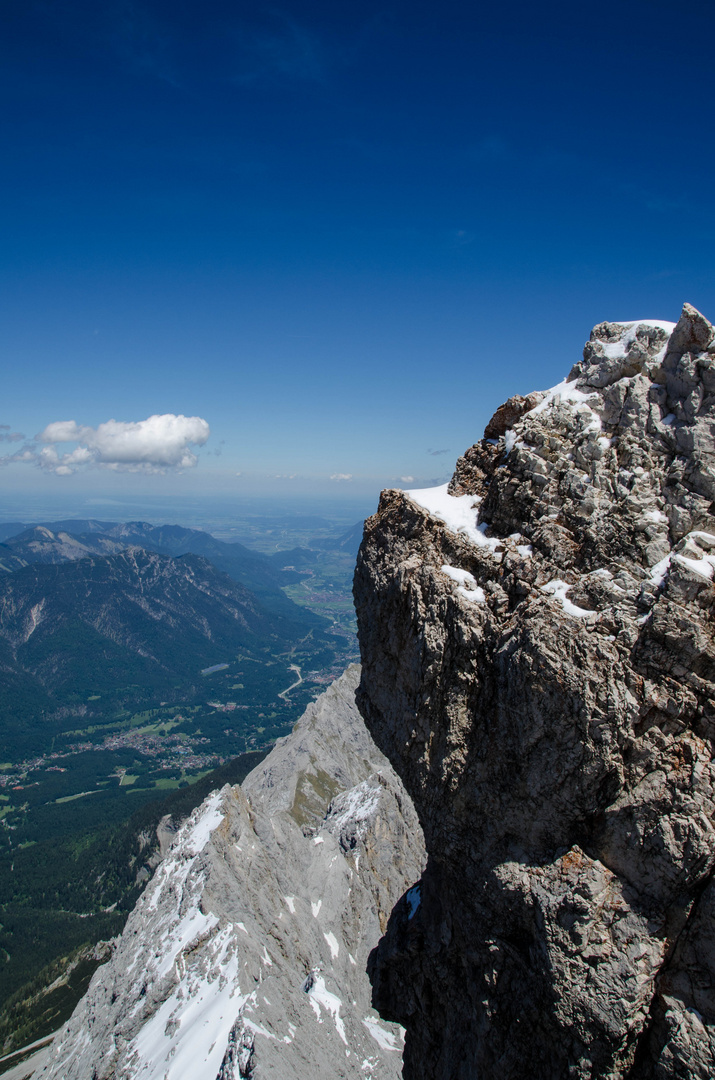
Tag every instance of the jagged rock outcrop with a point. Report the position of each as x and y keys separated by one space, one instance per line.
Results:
x=246 y=955
x=539 y=666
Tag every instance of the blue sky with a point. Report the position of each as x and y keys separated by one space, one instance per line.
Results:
x=339 y=235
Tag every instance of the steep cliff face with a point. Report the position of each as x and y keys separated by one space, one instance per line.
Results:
x=246 y=955
x=538 y=665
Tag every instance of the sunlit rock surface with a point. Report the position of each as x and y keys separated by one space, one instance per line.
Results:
x=538 y=665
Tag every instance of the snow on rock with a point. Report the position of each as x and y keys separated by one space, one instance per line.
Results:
x=320 y=997
x=467 y=583
x=659 y=571
x=209 y=818
x=559 y=589
x=187 y=1035
x=354 y=807
x=332 y=945
x=566 y=391
x=458 y=512
x=386 y=1040
x=180 y=997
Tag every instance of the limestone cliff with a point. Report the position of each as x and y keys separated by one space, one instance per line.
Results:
x=538 y=665
x=246 y=955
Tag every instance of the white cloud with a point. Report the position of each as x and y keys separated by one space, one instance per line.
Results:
x=341 y=476
x=407 y=479
x=152 y=445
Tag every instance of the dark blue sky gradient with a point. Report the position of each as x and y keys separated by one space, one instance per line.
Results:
x=343 y=234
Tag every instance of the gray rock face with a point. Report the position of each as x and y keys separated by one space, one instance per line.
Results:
x=246 y=955
x=538 y=665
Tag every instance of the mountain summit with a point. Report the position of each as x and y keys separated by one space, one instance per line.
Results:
x=539 y=666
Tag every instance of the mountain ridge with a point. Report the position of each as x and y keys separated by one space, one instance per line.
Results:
x=246 y=955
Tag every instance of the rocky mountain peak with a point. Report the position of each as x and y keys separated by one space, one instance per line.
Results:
x=539 y=666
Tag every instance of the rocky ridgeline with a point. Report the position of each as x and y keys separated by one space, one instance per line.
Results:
x=246 y=955
x=538 y=665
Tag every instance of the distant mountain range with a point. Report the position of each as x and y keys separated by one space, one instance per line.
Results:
x=75 y=538
x=65 y=541
x=122 y=613
x=84 y=614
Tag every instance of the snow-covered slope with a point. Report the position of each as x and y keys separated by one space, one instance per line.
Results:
x=246 y=955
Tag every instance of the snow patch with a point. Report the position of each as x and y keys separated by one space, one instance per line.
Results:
x=315 y=908
x=467 y=583
x=193 y=926
x=355 y=805
x=384 y=1039
x=187 y=1036
x=257 y=1029
x=321 y=997
x=619 y=349
x=458 y=512
x=559 y=589
x=333 y=945
x=659 y=571
x=702 y=539
x=669 y=327
x=704 y=566
x=563 y=391
x=290 y=901
x=209 y=819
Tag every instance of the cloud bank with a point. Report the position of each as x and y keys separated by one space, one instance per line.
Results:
x=152 y=445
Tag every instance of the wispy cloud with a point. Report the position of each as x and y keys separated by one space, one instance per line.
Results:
x=153 y=445
x=8 y=435
x=341 y=476
x=436 y=453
